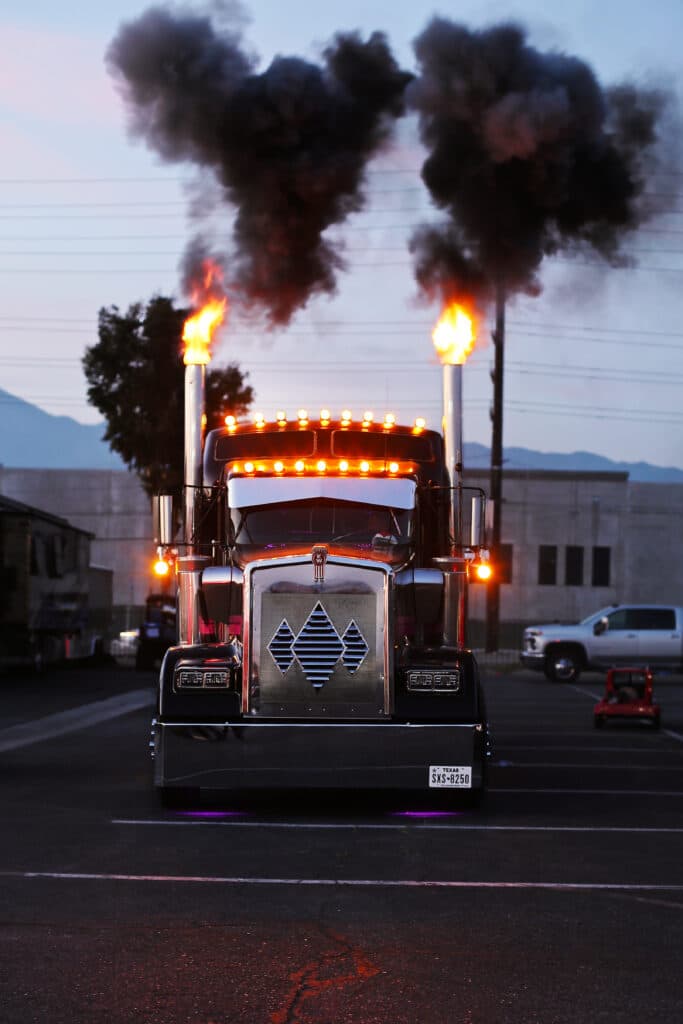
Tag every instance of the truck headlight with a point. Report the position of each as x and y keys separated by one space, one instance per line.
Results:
x=201 y=679
x=423 y=680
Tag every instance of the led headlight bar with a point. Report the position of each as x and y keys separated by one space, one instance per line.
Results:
x=201 y=679
x=430 y=680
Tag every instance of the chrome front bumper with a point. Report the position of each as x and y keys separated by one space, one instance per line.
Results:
x=260 y=755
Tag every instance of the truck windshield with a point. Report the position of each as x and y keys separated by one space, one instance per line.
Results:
x=342 y=524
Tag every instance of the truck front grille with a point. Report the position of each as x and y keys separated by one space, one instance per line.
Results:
x=318 y=648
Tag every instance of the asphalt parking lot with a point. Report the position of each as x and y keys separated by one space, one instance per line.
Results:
x=559 y=901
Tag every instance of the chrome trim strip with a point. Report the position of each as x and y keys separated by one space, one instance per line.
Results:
x=318 y=724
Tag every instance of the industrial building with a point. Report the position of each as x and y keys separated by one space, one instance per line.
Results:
x=572 y=541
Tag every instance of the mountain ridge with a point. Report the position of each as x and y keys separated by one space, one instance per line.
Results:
x=33 y=439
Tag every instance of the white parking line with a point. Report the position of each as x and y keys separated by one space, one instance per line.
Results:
x=385 y=826
x=82 y=717
x=380 y=883
x=602 y=766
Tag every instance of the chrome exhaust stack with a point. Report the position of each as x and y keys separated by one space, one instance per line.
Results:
x=191 y=564
x=455 y=565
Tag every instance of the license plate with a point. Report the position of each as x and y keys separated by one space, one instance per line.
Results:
x=446 y=776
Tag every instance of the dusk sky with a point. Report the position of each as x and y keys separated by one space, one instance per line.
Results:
x=91 y=217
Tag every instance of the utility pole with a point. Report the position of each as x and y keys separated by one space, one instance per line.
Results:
x=496 y=485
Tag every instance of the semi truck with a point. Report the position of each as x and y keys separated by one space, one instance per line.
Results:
x=321 y=596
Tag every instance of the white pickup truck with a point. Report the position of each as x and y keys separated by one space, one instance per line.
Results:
x=633 y=634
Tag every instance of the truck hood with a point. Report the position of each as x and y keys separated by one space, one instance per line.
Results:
x=555 y=629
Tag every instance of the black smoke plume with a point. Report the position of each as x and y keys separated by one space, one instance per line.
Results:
x=289 y=146
x=527 y=155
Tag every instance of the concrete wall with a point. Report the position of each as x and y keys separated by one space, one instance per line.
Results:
x=640 y=523
x=112 y=505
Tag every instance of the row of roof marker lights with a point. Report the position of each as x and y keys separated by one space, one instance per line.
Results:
x=346 y=419
x=321 y=466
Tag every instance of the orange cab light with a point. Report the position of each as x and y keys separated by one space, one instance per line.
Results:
x=303 y=417
x=389 y=420
x=235 y=467
x=281 y=417
x=161 y=567
x=321 y=465
x=299 y=465
x=230 y=422
x=346 y=417
x=484 y=571
x=420 y=423
x=368 y=416
x=364 y=466
x=325 y=416
x=279 y=466
x=248 y=467
x=393 y=467
x=343 y=466
x=259 y=420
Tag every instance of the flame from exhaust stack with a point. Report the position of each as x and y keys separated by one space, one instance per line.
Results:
x=454 y=335
x=199 y=329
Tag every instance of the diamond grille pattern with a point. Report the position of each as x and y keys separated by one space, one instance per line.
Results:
x=355 y=647
x=281 y=646
x=318 y=647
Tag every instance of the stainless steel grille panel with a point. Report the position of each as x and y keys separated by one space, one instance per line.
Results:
x=317 y=648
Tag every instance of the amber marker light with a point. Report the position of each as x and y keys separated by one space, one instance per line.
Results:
x=389 y=420
x=259 y=420
x=346 y=417
x=299 y=465
x=324 y=417
x=420 y=424
x=484 y=571
x=364 y=466
x=343 y=466
x=279 y=467
x=393 y=467
x=230 y=422
x=248 y=467
x=281 y=417
x=321 y=465
x=161 y=568
x=303 y=417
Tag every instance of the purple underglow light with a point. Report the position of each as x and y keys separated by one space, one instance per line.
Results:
x=426 y=814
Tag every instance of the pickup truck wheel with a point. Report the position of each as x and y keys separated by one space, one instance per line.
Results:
x=563 y=665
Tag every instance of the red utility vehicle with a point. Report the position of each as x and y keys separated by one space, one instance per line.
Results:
x=628 y=694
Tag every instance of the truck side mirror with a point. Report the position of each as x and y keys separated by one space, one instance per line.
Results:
x=163 y=514
x=601 y=626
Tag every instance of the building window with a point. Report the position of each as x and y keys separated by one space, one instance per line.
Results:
x=504 y=567
x=547 y=564
x=573 y=566
x=601 y=560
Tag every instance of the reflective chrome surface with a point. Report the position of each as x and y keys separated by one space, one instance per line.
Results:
x=317 y=649
x=194 y=412
x=359 y=755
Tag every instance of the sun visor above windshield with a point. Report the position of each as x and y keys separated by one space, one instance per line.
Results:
x=250 y=492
